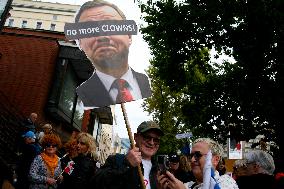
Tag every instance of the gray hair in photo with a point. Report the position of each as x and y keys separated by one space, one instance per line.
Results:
x=261 y=158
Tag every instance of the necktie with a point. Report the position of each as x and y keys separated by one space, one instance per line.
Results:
x=123 y=87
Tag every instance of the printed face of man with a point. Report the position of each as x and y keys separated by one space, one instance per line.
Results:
x=148 y=143
x=105 y=52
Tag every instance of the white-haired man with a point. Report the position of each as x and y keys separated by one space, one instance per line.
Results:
x=259 y=168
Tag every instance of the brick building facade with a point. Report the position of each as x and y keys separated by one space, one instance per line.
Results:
x=39 y=72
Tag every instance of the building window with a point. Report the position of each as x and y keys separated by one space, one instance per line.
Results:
x=38 y=25
x=54 y=17
x=11 y=22
x=63 y=102
x=68 y=103
x=52 y=27
x=24 y=24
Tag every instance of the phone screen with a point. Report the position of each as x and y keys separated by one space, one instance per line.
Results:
x=163 y=163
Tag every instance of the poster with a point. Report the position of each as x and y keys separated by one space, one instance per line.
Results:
x=235 y=149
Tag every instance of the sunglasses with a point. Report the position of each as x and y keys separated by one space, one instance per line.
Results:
x=197 y=155
x=51 y=145
x=148 y=138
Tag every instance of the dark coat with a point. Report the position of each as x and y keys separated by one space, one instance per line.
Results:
x=93 y=93
x=257 y=181
x=28 y=125
x=29 y=152
x=184 y=176
x=84 y=169
x=117 y=173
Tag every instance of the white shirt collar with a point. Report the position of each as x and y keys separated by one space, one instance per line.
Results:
x=107 y=80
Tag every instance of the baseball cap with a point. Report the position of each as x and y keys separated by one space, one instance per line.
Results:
x=149 y=125
x=29 y=134
x=174 y=158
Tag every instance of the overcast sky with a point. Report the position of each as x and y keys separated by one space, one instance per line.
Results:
x=138 y=59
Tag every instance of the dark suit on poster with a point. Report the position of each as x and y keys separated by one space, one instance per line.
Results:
x=94 y=94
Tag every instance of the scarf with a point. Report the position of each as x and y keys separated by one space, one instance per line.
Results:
x=50 y=161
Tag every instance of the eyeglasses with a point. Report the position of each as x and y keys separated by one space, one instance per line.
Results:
x=197 y=155
x=51 y=145
x=148 y=138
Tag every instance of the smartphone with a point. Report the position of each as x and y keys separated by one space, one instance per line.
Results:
x=163 y=163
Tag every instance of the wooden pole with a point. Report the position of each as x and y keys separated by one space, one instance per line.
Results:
x=132 y=142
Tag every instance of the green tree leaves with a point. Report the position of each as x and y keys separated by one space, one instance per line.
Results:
x=191 y=91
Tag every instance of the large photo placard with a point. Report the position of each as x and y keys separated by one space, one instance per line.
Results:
x=104 y=33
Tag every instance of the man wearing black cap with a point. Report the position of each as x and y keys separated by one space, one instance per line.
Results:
x=179 y=167
x=29 y=150
x=174 y=163
x=120 y=171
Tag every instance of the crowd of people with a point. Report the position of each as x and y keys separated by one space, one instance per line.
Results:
x=46 y=163
x=255 y=170
x=41 y=167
